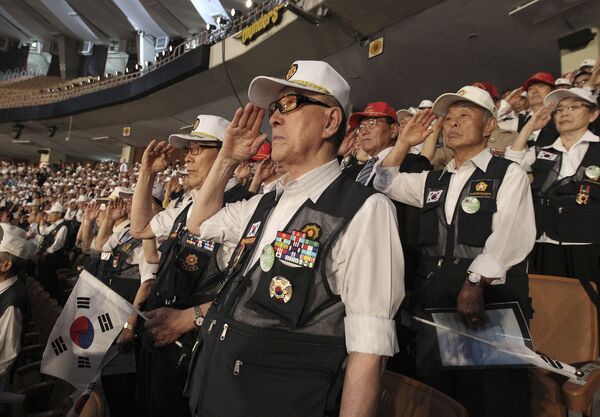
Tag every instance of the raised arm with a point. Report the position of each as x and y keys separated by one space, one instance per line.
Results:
x=116 y=209
x=154 y=160
x=414 y=133
x=537 y=121
x=242 y=140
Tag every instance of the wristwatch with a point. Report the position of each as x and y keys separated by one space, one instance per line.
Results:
x=474 y=278
x=128 y=326
x=199 y=318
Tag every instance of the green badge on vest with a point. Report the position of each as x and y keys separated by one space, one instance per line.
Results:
x=267 y=258
x=470 y=205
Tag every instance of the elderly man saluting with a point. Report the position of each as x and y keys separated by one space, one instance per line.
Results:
x=476 y=227
x=316 y=276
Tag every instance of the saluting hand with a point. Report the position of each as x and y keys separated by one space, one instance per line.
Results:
x=541 y=117
x=92 y=211
x=417 y=129
x=242 y=137
x=514 y=96
x=156 y=157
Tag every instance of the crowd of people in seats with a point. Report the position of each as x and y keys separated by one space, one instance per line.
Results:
x=278 y=275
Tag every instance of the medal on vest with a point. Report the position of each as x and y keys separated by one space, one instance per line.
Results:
x=470 y=205
x=593 y=172
x=280 y=289
x=296 y=248
x=115 y=262
x=189 y=263
x=267 y=258
x=237 y=255
x=583 y=195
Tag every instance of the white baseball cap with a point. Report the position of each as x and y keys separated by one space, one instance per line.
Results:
x=315 y=76
x=468 y=93
x=13 y=240
x=208 y=131
x=588 y=63
x=55 y=208
x=562 y=81
x=411 y=111
x=584 y=94
x=426 y=104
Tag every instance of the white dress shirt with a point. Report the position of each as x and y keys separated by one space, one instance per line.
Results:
x=136 y=257
x=61 y=236
x=365 y=266
x=513 y=224
x=10 y=334
x=570 y=162
x=381 y=155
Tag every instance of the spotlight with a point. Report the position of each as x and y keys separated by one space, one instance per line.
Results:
x=221 y=20
x=210 y=28
x=170 y=48
x=248 y=3
x=235 y=13
x=51 y=131
x=16 y=130
x=164 y=53
x=127 y=70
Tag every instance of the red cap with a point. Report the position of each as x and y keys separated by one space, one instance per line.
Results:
x=489 y=87
x=378 y=109
x=263 y=152
x=539 y=77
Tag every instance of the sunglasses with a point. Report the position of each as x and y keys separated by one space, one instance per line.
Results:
x=195 y=149
x=291 y=102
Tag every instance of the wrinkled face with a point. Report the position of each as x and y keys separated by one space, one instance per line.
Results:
x=572 y=114
x=199 y=165
x=536 y=93
x=298 y=134
x=465 y=126
x=5 y=218
x=402 y=121
x=376 y=134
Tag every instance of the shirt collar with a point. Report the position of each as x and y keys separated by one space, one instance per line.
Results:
x=6 y=284
x=119 y=228
x=481 y=161
x=586 y=137
x=381 y=155
x=314 y=182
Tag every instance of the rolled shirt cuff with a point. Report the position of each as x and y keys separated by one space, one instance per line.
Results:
x=371 y=334
x=488 y=267
x=515 y=156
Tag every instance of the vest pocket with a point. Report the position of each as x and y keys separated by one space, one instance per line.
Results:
x=282 y=293
x=475 y=228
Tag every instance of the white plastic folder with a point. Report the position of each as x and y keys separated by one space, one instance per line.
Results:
x=497 y=342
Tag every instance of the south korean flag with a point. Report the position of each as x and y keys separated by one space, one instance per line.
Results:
x=90 y=321
x=433 y=196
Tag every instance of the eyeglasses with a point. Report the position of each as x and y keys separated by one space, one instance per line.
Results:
x=195 y=149
x=291 y=102
x=570 y=108
x=371 y=123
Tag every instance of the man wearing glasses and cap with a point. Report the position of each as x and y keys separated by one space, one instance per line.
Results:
x=188 y=274
x=566 y=186
x=305 y=309
x=476 y=228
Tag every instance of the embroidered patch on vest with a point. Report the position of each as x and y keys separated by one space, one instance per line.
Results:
x=189 y=263
x=547 y=156
x=312 y=230
x=481 y=188
x=433 y=196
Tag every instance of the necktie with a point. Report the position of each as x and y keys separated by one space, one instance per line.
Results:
x=365 y=173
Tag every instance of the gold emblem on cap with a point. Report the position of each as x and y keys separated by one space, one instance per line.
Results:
x=280 y=289
x=196 y=123
x=481 y=186
x=462 y=92
x=291 y=71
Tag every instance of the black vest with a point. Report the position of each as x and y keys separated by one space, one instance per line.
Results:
x=49 y=238
x=114 y=271
x=188 y=274
x=447 y=250
x=16 y=295
x=273 y=342
x=567 y=210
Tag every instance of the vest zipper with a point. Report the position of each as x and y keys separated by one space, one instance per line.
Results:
x=237 y=366
x=212 y=324
x=224 y=332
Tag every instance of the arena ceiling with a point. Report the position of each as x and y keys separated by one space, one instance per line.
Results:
x=431 y=46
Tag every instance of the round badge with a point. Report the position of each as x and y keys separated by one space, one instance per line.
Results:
x=470 y=205
x=280 y=289
x=592 y=172
x=267 y=258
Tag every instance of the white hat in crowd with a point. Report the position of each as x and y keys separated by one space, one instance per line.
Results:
x=562 y=81
x=411 y=111
x=584 y=94
x=208 y=131
x=13 y=240
x=55 y=208
x=468 y=93
x=425 y=104
x=315 y=76
x=588 y=63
